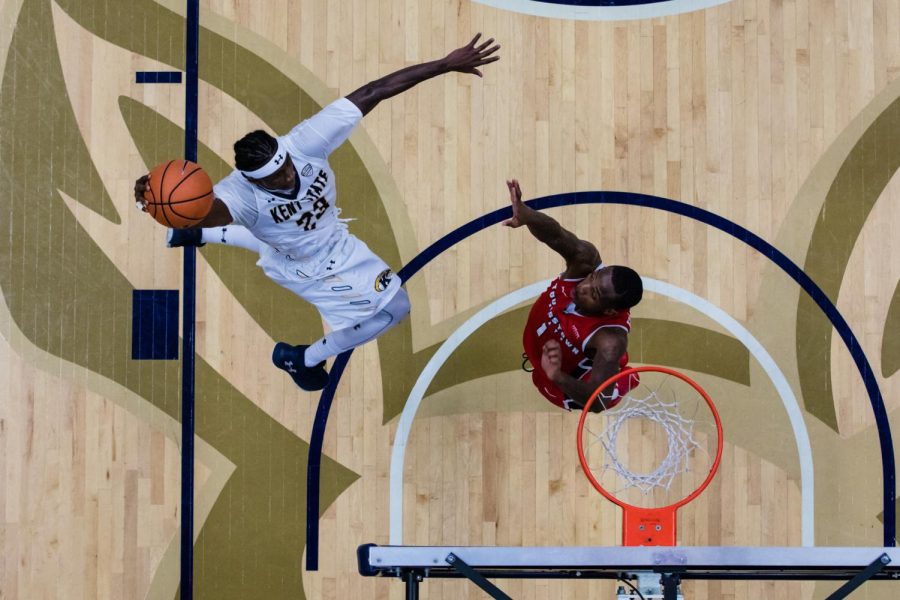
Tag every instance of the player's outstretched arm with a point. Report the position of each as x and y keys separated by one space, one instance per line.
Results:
x=218 y=216
x=463 y=60
x=608 y=346
x=581 y=256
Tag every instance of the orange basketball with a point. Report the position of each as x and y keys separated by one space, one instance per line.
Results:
x=179 y=194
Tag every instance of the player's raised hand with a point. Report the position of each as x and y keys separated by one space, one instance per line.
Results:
x=140 y=186
x=518 y=207
x=551 y=359
x=471 y=56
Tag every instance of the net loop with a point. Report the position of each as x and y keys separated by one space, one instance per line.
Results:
x=679 y=431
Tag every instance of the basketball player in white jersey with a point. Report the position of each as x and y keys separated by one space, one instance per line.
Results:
x=280 y=201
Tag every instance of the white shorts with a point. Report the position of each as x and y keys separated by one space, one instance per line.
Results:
x=349 y=284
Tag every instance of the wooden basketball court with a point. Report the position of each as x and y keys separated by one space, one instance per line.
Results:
x=778 y=117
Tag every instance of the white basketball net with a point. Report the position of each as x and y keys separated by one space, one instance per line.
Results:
x=679 y=431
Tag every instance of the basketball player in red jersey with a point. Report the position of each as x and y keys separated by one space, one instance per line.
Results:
x=577 y=332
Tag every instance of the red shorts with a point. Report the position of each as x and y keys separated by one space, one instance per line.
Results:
x=555 y=395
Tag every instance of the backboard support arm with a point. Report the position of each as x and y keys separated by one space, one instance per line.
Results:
x=860 y=578
x=475 y=577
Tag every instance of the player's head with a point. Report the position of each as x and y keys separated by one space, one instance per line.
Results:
x=263 y=161
x=608 y=290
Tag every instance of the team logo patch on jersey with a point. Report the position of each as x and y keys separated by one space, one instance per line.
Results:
x=383 y=280
x=307 y=170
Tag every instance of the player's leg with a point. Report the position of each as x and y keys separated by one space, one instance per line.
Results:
x=359 y=297
x=230 y=235
x=291 y=359
x=306 y=364
x=348 y=338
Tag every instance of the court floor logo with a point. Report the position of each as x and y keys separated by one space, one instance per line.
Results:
x=45 y=289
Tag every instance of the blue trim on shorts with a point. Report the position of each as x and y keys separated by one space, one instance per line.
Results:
x=655 y=202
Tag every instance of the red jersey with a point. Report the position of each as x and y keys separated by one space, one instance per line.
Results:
x=553 y=317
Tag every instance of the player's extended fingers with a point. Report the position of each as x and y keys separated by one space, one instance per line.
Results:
x=513 y=196
x=483 y=53
x=480 y=48
x=140 y=186
x=485 y=61
x=474 y=40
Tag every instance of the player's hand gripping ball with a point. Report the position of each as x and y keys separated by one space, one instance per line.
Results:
x=177 y=193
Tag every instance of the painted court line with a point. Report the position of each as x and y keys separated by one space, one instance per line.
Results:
x=158 y=77
x=788 y=399
x=567 y=10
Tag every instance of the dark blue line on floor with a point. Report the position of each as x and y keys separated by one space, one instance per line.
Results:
x=314 y=461
x=158 y=77
x=189 y=284
x=654 y=202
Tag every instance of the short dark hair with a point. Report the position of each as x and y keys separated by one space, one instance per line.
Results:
x=254 y=150
x=628 y=287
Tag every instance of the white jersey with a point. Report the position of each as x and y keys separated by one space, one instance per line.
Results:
x=306 y=227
